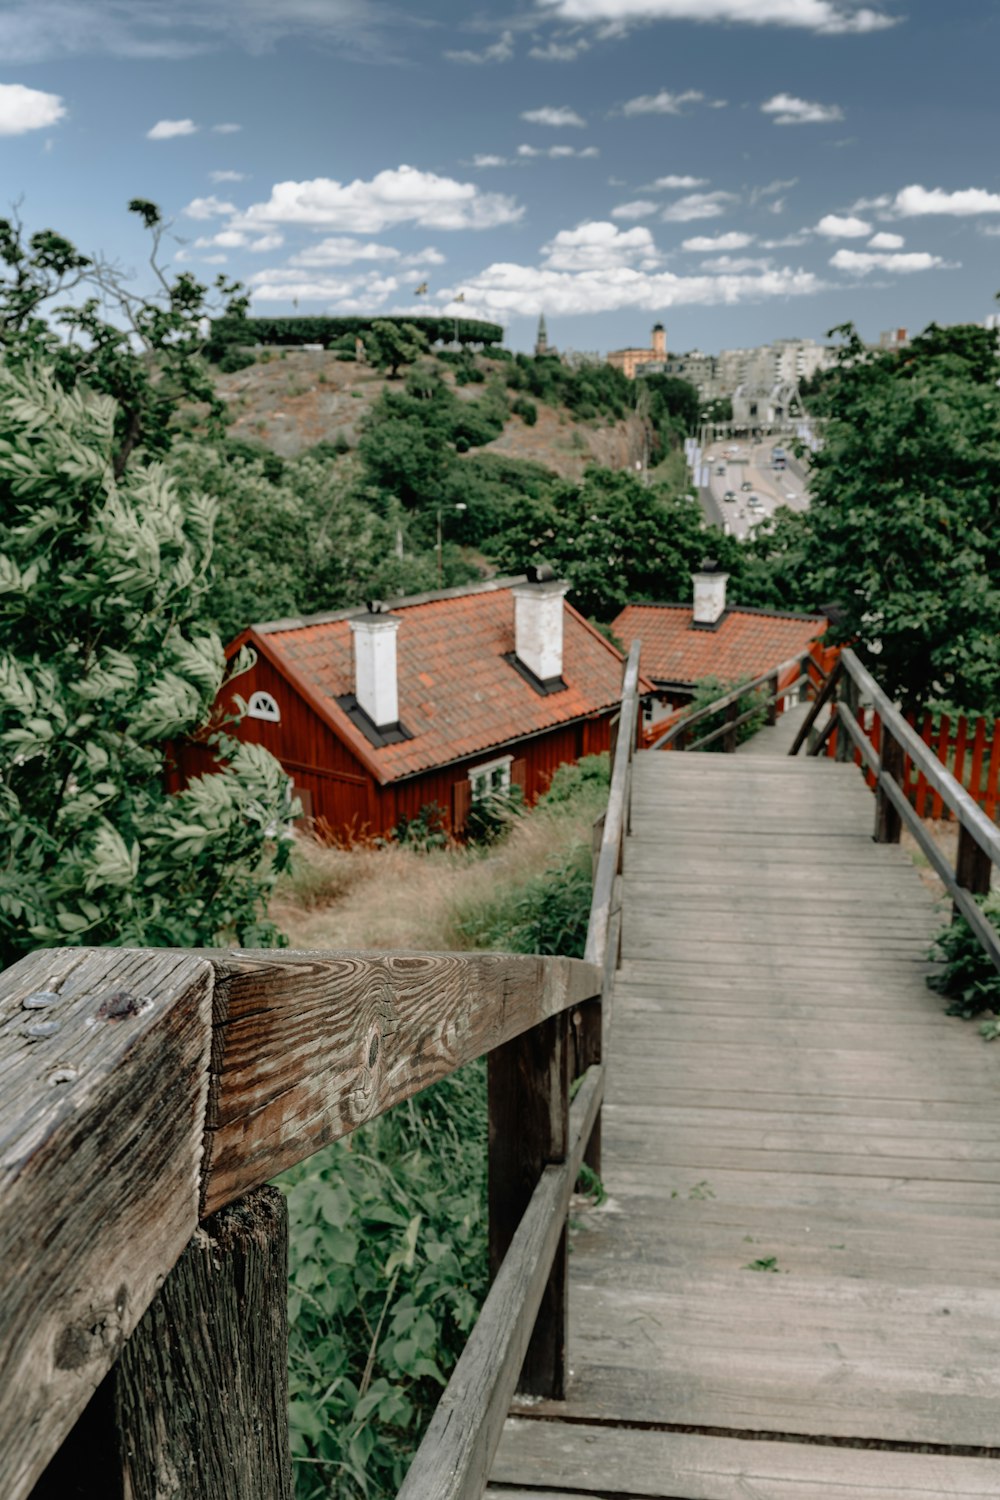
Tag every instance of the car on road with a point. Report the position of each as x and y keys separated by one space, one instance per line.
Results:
x=746 y=485
x=720 y=468
x=754 y=502
x=729 y=495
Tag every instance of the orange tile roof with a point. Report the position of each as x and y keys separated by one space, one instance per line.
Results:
x=457 y=694
x=746 y=643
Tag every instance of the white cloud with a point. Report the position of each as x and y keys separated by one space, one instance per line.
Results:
x=507 y=290
x=23 y=109
x=396 y=196
x=558 y=117
x=166 y=130
x=672 y=181
x=227 y=128
x=426 y=257
x=737 y=263
x=830 y=17
x=236 y=239
x=555 y=51
x=788 y=110
x=364 y=293
x=884 y=241
x=663 y=103
x=860 y=262
x=734 y=240
x=227 y=176
x=489 y=161
x=501 y=51
x=341 y=250
x=208 y=208
x=639 y=208
x=557 y=151
x=837 y=227
x=141 y=30
x=698 y=206
x=265 y=242
x=915 y=201
x=786 y=241
x=597 y=243
x=214 y=260
x=992 y=230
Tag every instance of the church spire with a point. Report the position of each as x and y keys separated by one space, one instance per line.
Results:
x=542 y=341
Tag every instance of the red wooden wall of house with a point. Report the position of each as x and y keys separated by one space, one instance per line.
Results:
x=339 y=793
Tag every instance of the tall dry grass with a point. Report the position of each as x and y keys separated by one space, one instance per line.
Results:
x=399 y=897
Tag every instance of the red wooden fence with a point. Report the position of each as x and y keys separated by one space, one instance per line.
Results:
x=970 y=748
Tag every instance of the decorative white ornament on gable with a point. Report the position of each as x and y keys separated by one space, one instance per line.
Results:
x=263 y=706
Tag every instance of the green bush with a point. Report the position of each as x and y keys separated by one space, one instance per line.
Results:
x=706 y=691
x=387 y=1271
x=969 y=978
x=235 y=359
x=427 y=830
x=526 y=410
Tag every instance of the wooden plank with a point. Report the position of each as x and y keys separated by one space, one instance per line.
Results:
x=454 y=1458
x=309 y=1045
x=586 y=1460
x=103 y=1082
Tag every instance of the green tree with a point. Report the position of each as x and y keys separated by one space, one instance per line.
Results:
x=147 y=352
x=389 y=345
x=904 y=520
x=614 y=539
x=102 y=662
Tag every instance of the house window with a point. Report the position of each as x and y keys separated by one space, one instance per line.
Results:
x=263 y=706
x=491 y=779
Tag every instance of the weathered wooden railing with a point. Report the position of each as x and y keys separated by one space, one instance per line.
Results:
x=850 y=685
x=796 y=672
x=145 y=1097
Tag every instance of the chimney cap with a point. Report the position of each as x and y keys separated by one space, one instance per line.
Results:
x=540 y=573
x=376 y=606
x=711 y=565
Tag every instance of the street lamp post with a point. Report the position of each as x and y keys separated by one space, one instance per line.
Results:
x=459 y=507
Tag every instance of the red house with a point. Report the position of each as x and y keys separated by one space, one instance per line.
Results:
x=685 y=643
x=440 y=698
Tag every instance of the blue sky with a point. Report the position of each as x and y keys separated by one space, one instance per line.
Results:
x=740 y=169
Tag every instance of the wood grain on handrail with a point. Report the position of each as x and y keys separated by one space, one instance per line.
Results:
x=307 y=1046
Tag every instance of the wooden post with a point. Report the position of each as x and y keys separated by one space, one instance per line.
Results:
x=888 y=823
x=588 y=1032
x=772 y=707
x=851 y=698
x=973 y=866
x=528 y=1130
x=197 y=1405
x=729 y=738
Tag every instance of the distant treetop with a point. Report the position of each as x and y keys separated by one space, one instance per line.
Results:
x=293 y=331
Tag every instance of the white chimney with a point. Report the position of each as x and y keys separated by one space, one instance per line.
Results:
x=709 y=593
x=538 y=623
x=375 y=667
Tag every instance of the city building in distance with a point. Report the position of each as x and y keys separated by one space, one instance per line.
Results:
x=630 y=361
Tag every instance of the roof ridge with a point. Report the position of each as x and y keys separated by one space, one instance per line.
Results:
x=731 y=609
x=397 y=601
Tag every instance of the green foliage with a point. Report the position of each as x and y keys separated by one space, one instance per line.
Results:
x=387 y=1271
x=491 y=817
x=904 y=521
x=588 y=391
x=340 y=332
x=427 y=830
x=150 y=361
x=615 y=539
x=673 y=401
x=102 y=661
x=548 y=915
x=969 y=977
x=526 y=410
x=706 y=691
x=390 y=344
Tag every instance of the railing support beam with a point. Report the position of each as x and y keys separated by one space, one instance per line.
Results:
x=888 y=823
x=973 y=866
x=528 y=1088
x=199 y=1398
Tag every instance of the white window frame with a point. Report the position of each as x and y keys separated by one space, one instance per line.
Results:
x=484 y=779
x=264 y=706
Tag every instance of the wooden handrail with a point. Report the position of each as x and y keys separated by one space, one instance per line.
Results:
x=144 y=1090
x=733 y=695
x=616 y=817
x=979 y=839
